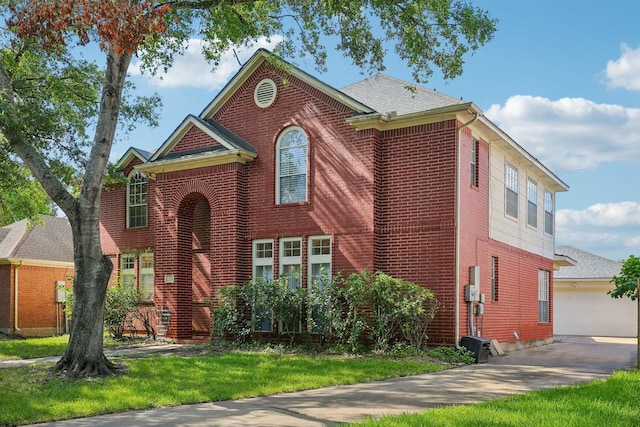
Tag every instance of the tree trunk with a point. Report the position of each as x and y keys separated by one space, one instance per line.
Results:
x=84 y=355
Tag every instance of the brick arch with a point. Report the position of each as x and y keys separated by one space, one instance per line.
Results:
x=194 y=186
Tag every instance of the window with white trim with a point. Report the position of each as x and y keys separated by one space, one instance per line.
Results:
x=291 y=270
x=146 y=276
x=548 y=212
x=319 y=277
x=511 y=190
x=263 y=270
x=137 y=200
x=291 y=166
x=475 y=170
x=128 y=271
x=543 y=296
x=532 y=202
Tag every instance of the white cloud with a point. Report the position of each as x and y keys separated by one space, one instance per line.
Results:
x=624 y=72
x=611 y=229
x=192 y=69
x=618 y=214
x=570 y=133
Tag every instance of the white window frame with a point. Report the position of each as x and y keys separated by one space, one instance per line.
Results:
x=261 y=260
x=133 y=204
x=549 y=208
x=532 y=202
x=145 y=285
x=280 y=196
x=318 y=258
x=475 y=169
x=291 y=256
x=543 y=296
x=128 y=270
x=511 y=189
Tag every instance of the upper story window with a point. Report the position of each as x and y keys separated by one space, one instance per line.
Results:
x=548 y=212
x=511 y=190
x=474 y=162
x=291 y=166
x=137 y=200
x=532 y=202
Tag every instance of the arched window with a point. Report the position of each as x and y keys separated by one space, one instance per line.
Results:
x=291 y=166
x=137 y=200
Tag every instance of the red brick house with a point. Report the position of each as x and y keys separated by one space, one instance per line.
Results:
x=283 y=172
x=34 y=260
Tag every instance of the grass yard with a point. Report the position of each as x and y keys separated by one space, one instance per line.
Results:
x=33 y=394
x=614 y=402
x=32 y=348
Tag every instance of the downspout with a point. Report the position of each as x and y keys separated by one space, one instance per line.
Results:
x=15 y=296
x=458 y=198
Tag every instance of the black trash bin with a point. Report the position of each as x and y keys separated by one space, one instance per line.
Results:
x=480 y=347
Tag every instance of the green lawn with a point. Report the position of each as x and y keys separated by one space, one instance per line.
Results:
x=33 y=394
x=33 y=348
x=614 y=402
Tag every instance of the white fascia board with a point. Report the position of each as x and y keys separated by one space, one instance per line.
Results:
x=256 y=60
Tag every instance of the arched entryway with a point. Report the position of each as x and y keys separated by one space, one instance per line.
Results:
x=194 y=260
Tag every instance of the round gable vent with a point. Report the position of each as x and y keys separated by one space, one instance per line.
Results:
x=265 y=93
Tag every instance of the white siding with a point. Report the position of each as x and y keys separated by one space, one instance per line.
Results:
x=512 y=231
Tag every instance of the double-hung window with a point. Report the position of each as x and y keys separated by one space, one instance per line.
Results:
x=474 y=162
x=319 y=260
x=543 y=296
x=146 y=276
x=532 y=202
x=548 y=212
x=319 y=277
x=291 y=166
x=291 y=271
x=263 y=273
x=511 y=190
x=137 y=200
x=128 y=271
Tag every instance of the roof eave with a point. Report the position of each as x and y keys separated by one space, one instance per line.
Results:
x=508 y=143
x=195 y=162
x=254 y=62
x=36 y=262
x=390 y=121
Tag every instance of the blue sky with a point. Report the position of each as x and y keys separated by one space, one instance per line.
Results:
x=560 y=77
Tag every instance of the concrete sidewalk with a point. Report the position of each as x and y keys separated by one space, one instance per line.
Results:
x=569 y=360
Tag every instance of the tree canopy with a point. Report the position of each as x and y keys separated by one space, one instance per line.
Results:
x=50 y=99
x=627 y=281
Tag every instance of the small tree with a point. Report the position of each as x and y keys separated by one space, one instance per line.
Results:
x=627 y=281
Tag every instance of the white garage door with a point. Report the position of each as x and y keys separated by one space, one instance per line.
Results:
x=591 y=312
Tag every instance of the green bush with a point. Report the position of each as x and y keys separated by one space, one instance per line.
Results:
x=453 y=355
x=119 y=310
x=349 y=311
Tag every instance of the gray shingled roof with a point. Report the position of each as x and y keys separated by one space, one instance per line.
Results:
x=386 y=94
x=52 y=241
x=588 y=266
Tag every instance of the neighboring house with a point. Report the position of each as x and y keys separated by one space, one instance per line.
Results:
x=581 y=303
x=35 y=258
x=283 y=173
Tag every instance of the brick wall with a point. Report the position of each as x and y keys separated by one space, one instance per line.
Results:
x=417 y=177
x=6 y=298
x=37 y=314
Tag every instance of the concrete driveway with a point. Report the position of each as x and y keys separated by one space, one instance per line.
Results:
x=567 y=361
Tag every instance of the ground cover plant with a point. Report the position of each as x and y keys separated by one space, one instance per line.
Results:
x=197 y=374
x=611 y=402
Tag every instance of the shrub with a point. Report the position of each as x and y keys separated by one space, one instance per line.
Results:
x=120 y=305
